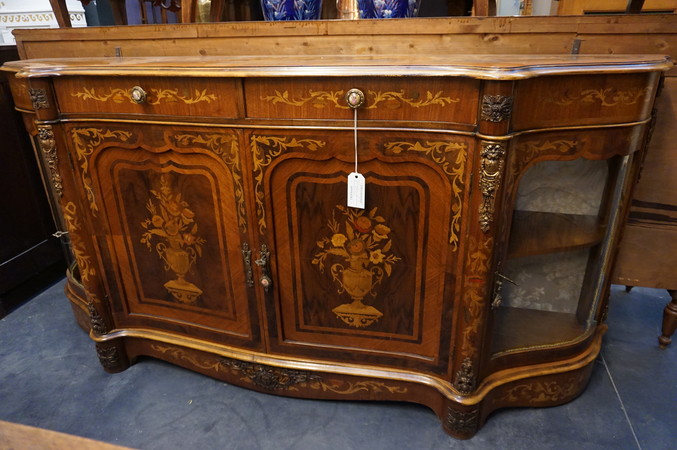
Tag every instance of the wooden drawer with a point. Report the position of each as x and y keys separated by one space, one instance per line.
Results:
x=583 y=100
x=197 y=97
x=396 y=98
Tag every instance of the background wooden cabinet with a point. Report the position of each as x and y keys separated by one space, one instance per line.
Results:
x=28 y=251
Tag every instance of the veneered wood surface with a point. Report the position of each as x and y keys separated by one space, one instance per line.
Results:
x=14 y=435
x=629 y=34
x=200 y=97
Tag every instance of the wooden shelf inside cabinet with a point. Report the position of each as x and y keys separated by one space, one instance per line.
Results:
x=522 y=328
x=538 y=233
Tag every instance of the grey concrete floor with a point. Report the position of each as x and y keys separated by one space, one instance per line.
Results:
x=50 y=378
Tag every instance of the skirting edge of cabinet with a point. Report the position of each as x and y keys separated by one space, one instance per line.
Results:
x=462 y=415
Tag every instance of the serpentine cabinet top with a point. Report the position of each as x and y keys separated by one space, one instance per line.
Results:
x=488 y=67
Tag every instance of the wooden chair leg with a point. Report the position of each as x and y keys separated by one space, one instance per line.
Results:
x=669 y=321
x=61 y=13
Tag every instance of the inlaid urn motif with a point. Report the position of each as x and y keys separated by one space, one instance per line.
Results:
x=362 y=246
x=172 y=231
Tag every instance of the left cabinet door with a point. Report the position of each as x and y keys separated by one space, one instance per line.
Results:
x=168 y=209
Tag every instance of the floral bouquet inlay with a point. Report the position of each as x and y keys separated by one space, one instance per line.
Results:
x=173 y=229
x=360 y=249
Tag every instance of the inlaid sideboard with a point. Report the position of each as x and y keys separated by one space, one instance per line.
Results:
x=206 y=203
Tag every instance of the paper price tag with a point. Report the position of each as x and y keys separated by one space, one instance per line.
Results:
x=356 y=190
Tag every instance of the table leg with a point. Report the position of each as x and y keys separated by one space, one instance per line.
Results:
x=669 y=320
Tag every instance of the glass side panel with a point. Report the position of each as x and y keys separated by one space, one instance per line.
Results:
x=551 y=268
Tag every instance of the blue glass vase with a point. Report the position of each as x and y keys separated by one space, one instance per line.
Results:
x=291 y=9
x=387 y=9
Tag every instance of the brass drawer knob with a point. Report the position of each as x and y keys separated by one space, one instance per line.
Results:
x=354 y=98
x=138 y=95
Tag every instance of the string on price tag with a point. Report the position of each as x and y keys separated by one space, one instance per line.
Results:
x=356 y=184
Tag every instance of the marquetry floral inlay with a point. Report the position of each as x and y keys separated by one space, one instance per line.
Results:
x=172 y=231
x=155 y=97
x=529 y=150
x=362 y=241
x=475 y=288
x=227 y=148
x=77 y=244
x=451 y=157
x=389 y=99
x=606 y=97
x=86 y=140
x=279 y=378
x=264 y=151
x=542 y=392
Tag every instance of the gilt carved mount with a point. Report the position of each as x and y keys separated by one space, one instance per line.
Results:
x=496 y=108
x=491 y=172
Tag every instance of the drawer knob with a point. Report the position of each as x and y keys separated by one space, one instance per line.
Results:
x=138 y=95
x=354 y=98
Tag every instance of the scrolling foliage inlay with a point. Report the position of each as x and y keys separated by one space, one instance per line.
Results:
x=392 y=99
x=451 y=157
x=475 y=292
x=155 y=97
x=364 y=244
x=528 y=151
x=264 y=151
x=605 y=97
x=536 y=393
x=279 y=378
x=227 y=148
x=77 y=244
x=173 y=224
x=86 y=140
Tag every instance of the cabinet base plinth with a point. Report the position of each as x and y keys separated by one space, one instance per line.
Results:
x=461 y=415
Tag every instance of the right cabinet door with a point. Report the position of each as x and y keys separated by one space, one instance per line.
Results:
x=371 y=285
x=566 y=201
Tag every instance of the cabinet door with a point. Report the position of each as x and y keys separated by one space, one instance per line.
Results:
x=371 y=285
x=170 y=211
x=566 y=205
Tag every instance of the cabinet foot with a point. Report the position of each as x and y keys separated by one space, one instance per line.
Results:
x=669 y=321
x=112 y=356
